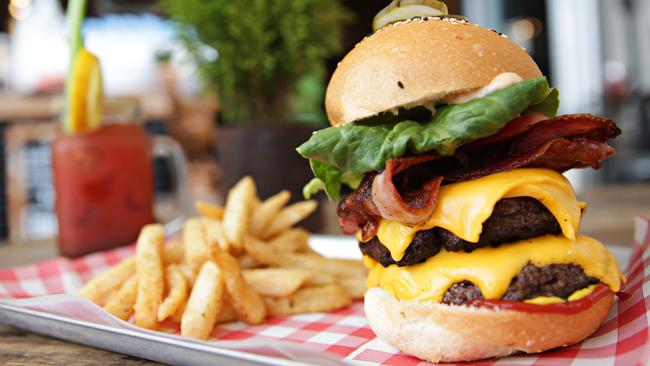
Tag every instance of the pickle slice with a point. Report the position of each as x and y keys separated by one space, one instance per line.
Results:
x=399 y=10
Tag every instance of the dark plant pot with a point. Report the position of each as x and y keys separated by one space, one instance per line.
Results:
x=267 y=152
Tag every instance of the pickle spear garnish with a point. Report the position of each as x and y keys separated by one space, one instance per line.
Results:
x=399 y=10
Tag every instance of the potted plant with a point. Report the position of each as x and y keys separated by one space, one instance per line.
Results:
x=266 y=61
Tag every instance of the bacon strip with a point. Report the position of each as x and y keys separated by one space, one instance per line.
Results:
x=360 y=209
x=410 y=208
x=515 y=127
x=399 y=165
x=575 y=125
x=407 y=190
x=410 y=205
x=559 y=154
x=356 y=211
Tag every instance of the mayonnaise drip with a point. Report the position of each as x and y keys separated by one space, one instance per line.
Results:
x=501 y=81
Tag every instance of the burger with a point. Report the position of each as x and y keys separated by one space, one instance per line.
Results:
x=446 y=153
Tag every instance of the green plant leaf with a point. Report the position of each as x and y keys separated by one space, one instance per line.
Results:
x=265 y=48
x=358 y=148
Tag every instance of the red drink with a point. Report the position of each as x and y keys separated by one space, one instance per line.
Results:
x=104 y=187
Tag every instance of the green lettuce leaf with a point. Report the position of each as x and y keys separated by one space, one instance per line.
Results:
x=342 y=155
x=549 y=106
x=330 y=179
x=312 y=187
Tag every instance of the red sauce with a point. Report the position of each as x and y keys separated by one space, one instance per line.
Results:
x=569 y=307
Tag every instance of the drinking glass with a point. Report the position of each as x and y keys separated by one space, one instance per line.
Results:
x=104 y=184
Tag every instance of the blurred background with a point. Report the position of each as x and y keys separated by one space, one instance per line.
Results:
x=269 y=62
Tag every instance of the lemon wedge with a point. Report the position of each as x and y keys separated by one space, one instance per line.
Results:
x=86 y=93
x=399 y=10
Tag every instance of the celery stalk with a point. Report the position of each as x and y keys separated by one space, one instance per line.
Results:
x=76 y=11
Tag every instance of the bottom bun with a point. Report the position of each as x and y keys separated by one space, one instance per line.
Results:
x=448 y=333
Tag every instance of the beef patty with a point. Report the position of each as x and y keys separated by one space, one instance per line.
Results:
x=559 y=280
x=512 y=219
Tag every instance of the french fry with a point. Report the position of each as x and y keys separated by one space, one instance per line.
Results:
x=173 y=252
x=237 y=215
x=309 y=300
x=248 y=305
x=265 y=212
x=209 y=210
x=149 y=269
x=339 y=268
x=293 y=240
x=275 y=282
x=353 y=268
x=204 y=303
x=317 y=278
x=121 y=304
x=243 y=261
x=248 y=262
x=178 y=315
x=215 y=235
x=262 y=252
x=196 y=246
x=288 y=217
x=100 y=287
x=188 y=274
x=177 y=293
x=272 y=257
x=355 y=286
x=226 y=313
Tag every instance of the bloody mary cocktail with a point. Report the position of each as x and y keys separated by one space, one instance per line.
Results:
x=104 y=187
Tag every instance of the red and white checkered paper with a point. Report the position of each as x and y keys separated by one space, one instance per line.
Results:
x=344 y=335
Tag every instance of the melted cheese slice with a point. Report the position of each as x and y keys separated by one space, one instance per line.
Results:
x=463 y=207
x=544 y=300
x=492 y=269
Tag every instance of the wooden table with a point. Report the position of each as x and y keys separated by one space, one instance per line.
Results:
x=22 y=348
x=609 y=218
